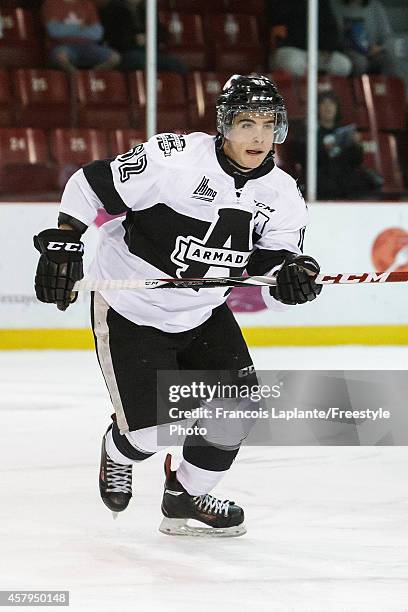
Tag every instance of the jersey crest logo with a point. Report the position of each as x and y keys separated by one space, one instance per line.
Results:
x=171 y=142
x=204 y=192
x=189 y=250
x=227 y=244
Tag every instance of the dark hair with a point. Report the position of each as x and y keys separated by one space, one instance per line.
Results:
x=363 y=2
x=330 y=95
x=327 y=94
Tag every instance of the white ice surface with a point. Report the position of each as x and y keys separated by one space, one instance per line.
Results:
x=327 y=526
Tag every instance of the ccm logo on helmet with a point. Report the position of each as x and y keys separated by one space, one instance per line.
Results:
x=65 y=246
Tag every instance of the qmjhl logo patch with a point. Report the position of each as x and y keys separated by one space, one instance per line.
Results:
x=204 y=192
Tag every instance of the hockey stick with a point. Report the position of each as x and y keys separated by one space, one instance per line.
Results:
x=243 y=281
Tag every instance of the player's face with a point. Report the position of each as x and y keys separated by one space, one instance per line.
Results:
x=250 y=138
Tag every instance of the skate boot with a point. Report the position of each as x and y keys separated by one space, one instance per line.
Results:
x=221 y=518
x=115 y=481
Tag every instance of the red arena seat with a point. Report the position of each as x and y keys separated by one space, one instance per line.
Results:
x=285 y=159
x=20 y=44
x=29 y=4
x=235 y=43
x=391 y=167
x=186 y=38
x=102 y=99
x=24 y=161
x=381 y=155
x=254 y=7
x=385 y=97
x=121 y=141
x=171 y=100
x=203 y=89
x=43 y=98
x=342 y=87
x=197 y=6
x=6 y=113
x=73 y=148
x=290 y=89
x=372 y=154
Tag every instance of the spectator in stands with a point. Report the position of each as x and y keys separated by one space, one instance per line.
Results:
x=125 y=30
x=288 y=21
x=74 y=30
x=341 y=172
x=365 y=29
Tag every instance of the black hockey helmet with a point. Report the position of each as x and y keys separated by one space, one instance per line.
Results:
x=251 y=93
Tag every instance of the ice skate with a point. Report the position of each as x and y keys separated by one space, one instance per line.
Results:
x=218 y=518
x=115 y=482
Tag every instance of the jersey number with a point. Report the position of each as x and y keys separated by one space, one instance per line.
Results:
x=130 y=165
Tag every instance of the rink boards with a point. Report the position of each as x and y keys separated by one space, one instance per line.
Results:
x=343 y=237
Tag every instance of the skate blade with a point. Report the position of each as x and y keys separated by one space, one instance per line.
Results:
x=180 y=527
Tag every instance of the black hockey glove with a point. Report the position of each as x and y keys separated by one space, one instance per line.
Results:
x=295 y=280
x=59 y=267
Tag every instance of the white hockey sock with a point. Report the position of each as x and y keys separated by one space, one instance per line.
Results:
x=114 y=453
x=195 y=480
x=142 y=440
x=146 y=440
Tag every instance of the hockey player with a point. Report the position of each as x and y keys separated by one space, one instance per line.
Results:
x=195 y=205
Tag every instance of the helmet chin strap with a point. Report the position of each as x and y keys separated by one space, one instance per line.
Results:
x=236 y=164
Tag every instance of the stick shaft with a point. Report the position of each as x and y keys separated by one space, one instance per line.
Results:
x=248 y=281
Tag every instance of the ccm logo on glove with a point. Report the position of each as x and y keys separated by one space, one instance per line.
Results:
x=65 y=246
x=59 y=266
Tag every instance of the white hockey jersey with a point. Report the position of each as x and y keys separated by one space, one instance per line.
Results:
x=188 y=214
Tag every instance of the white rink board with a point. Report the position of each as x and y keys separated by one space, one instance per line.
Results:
x=340 y=237
x=19 y=307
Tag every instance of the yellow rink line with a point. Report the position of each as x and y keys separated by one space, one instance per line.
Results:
x=12 y=339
